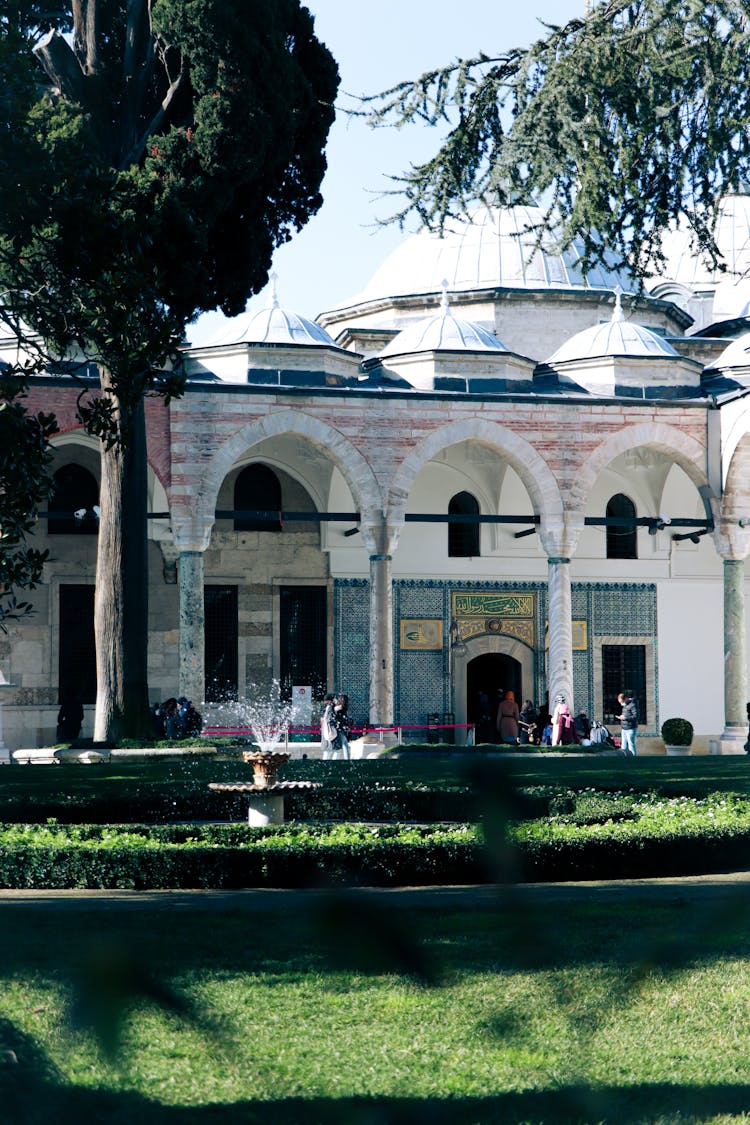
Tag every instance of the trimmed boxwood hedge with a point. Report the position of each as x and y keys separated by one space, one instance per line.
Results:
x=218 y=856
x=231 y=856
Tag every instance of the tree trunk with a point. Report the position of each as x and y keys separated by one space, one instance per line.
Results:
x=121 y=599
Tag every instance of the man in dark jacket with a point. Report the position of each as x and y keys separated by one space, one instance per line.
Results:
x=628 y=721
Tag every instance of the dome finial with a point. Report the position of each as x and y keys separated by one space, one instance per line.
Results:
x=617 y=313
x=444 y=300
x=273 y=297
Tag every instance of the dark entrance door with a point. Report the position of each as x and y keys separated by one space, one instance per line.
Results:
x=486 y=677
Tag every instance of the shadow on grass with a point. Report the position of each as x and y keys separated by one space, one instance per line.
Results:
x=28 y=1100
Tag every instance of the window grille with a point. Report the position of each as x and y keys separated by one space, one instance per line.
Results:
x=76 y=646
x=220 y=642
x=624 y=669
x=302 y=620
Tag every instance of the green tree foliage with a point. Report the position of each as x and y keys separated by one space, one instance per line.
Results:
x=148 y=169
x=619 y=122
x=24 y=486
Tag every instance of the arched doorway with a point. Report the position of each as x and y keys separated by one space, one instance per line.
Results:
x=486 y=677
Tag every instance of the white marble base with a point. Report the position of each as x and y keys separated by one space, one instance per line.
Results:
x=265 y=809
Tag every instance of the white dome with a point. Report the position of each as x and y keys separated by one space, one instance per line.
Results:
x=732 y=235
x=494 y=248
x=618 y=337
x=272 y=325
x=736 y=354
x=732 y=299
x=443 y=332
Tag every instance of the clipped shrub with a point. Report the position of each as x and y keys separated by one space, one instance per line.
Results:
x=677 y=732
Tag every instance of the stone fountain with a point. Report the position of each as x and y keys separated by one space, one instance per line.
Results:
x=269 y=720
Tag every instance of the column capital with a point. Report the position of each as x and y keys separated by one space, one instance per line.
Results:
x=559 y=539
x=379 y=537
x=192 y=534
x=732 y=542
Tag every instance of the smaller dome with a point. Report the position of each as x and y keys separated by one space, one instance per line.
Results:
x=618 y=337
x=731 y=300
x=443 y=332
x=736 y=354
x=273 y=325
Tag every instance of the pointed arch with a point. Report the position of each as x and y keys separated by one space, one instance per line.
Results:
x=681 y=448
x=195 y=508
x=533 y=470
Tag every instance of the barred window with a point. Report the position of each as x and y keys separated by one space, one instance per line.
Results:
x=220 y=642
x=302 y=638
x=624 y=669
x=76 y=645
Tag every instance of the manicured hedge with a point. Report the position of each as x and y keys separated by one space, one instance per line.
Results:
x=92 y=856
x=227 y=856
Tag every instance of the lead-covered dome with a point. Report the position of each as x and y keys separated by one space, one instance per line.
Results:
x=272 y=325
x=443 y=332
x=494 y=247
x=622 y=358
x=732 y=236
x=617 y=337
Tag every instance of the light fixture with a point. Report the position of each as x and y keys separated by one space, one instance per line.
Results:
x=457 y=643
x=693 y=536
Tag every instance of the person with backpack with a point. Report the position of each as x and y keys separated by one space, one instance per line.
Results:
x=628 y=719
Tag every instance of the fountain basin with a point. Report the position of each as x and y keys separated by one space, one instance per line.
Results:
x=266 y=765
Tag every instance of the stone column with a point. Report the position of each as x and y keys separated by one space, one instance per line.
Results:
x=559 y=536
x=735 y=660
x=732 y=542
x=380 y=541
x=190 y=576
x=560 y=669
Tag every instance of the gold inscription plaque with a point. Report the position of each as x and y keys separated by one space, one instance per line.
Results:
x=510 y=615
x=423 y=633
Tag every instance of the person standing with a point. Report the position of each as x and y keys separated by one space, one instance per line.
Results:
x=330 y=739
x=341 y=711
x=507 y=719
x=563 y=727
x=628 y=722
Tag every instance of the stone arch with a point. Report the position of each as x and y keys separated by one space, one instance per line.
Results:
x=530 y=466
x=684 y=450
x=482 y=646
x=353 y=466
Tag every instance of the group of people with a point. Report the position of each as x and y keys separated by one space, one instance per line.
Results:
x=176 y=718
x=335 y=727
x=529 y=726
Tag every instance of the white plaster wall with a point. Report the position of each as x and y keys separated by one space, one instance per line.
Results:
x=690 y=622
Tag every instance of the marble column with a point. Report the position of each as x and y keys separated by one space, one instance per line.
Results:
x=560 y=668
x=735 y=660
x=190 y=576
x=381 y=641
x=379 y=539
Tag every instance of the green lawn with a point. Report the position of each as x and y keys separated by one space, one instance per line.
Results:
x=320 y=1009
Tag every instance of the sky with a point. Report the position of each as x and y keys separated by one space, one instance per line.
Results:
x=377 y=44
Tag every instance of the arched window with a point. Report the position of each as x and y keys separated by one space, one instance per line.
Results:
x=463 y=538
x=74 y=505
x=622 y=539
x=257 y=489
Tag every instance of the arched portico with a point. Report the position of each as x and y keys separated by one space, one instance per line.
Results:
x=533 y=470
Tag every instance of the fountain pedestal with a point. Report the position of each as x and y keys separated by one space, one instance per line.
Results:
x=266 y=805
